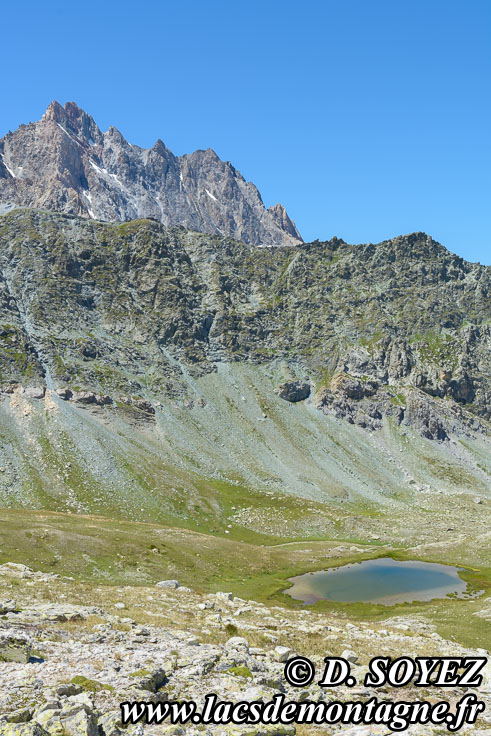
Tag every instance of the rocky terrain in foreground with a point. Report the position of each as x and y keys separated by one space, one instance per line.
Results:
x=70 y=653
x=65 y=163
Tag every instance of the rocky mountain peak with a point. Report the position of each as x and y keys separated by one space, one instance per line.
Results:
x=160 y=147
x=65 y=163
x=74 y=120
x=54 y=111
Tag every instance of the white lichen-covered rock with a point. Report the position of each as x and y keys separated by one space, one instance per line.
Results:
x=237 y=642
x=350 y=656
x=225 y=596
x=79 y=722
x=110 y=723
x=282 y=653
x=22 y=729
x=168 y=584
x=14 y=649
x=7 y=607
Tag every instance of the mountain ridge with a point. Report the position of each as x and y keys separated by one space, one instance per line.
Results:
x=161 y=374
x=327 y=371
x=65 y=163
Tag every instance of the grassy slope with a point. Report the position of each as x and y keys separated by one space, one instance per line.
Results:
x=100 y=550
x=200 y=495
x=192 y=464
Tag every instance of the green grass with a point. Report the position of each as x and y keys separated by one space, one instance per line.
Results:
x=100 y=550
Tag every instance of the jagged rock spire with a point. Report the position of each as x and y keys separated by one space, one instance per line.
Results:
x=65 y=163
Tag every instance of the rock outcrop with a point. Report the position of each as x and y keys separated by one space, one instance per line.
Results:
x=121 y=313
x=293 y=391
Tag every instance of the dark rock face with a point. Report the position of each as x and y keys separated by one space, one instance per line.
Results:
x=293 y=391
x=85 y=397
x=65 y=163
x=128 y=313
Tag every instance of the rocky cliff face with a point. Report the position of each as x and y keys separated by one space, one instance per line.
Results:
x=234 y=362
x=66 y=164
x=133 y=307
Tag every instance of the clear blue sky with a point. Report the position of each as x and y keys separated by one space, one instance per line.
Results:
x=366 y=118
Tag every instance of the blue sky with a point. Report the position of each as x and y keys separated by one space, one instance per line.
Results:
x=366 y=119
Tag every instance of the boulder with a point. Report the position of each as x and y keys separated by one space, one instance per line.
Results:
x=34 y=392
x=7 y=607
x=150 y=680
x=64 y=393
x=281 y=654
x=22 y=729
x=67 y=689
x=110 y=724
x=225 y=596
x=168 y=584
x=293 y=391
x=79 y=723
x=350 y=656
x=21 y=715
x=237 y=642
x=49 y=719
x=15 y=649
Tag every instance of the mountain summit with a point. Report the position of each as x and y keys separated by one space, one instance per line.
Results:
x=64 y=162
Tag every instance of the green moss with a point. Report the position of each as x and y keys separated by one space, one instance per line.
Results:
x=370 y=341
x=90 y=686
x=324 y=380
x=398 y=399
x=241 y=672
x=140 y=673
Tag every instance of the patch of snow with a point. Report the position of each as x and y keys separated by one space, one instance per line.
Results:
x=68 y=134
x=113 y=176
x=97 y=168
x=105 y=172
x=7 y=207
x=88 y=196
x=211 y=195
x=8 y=167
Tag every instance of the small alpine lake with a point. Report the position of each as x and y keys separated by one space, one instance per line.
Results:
x=381 y=580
